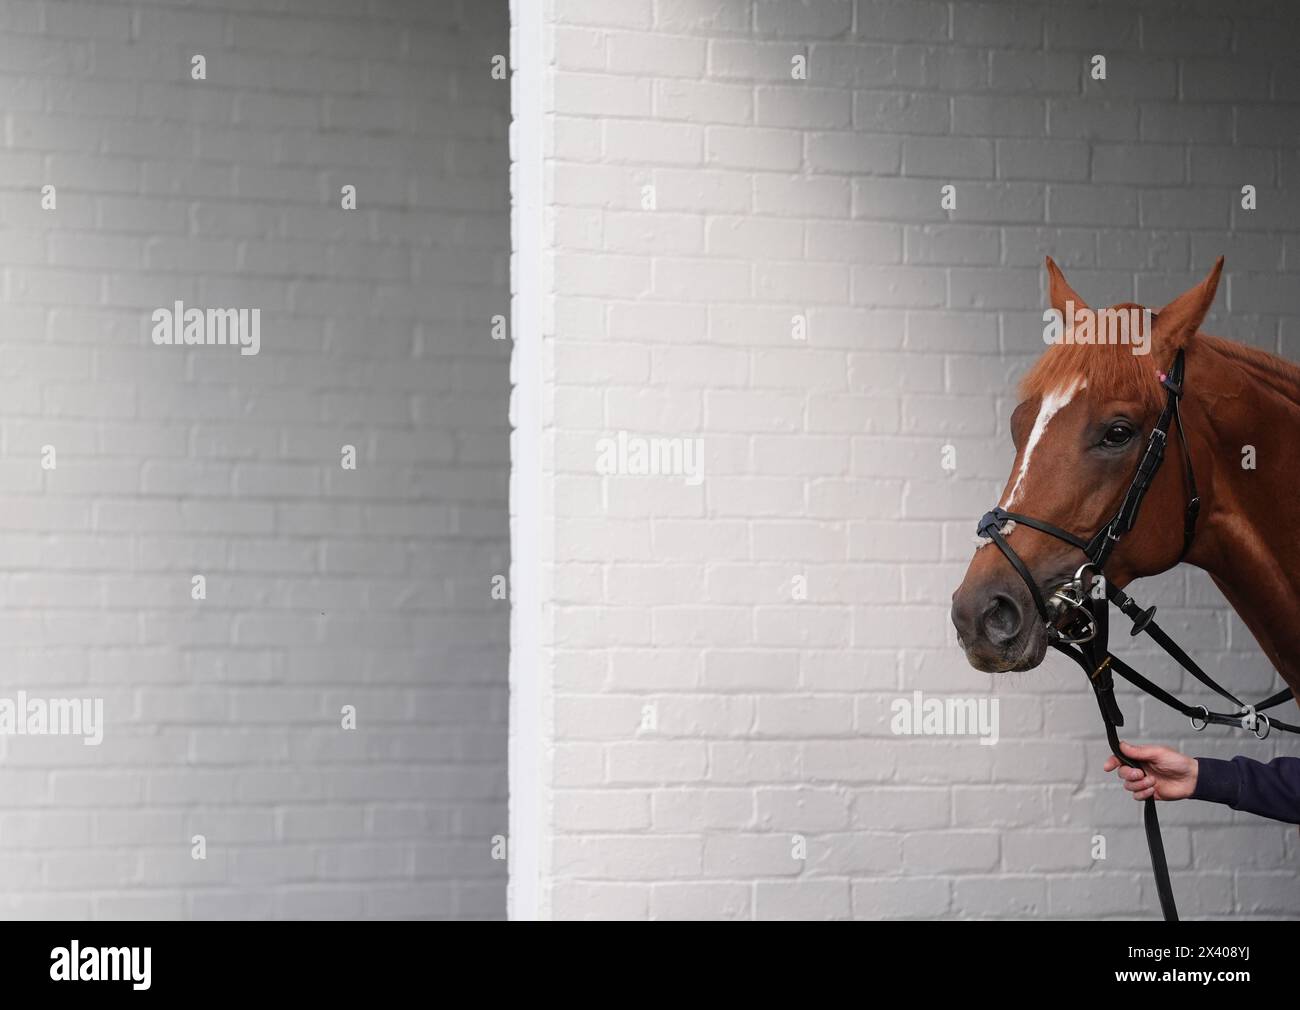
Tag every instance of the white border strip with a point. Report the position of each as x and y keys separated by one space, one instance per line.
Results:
x=526 y=764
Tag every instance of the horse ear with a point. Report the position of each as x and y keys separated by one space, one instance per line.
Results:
x=1176 y=323
x=1059 y=292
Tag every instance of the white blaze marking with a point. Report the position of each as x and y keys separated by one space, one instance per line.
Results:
x=1052 y=402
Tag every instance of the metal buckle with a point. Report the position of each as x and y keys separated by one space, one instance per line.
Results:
x=1205 y=721
x=1254 y=721
x=1070 y=597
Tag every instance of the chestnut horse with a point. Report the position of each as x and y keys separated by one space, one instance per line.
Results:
x=1085 y=413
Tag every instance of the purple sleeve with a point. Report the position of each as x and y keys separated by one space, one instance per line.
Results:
x=1270 y=790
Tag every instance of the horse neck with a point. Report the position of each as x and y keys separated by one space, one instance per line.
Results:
x=1248 y=537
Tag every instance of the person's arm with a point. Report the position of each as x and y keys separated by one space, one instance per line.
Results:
x=1269 y=790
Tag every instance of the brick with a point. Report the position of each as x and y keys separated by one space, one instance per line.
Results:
x=651 y=231
x=1120 y=163
x=703 y=101
x=1113 y=205
x=810 y=19
x=740 y=236
x=700 y=901
x=996 y=25
x=902 y=20
x=885 y=112
x=900 y=898
x=804 y=899
x=986 y=116
x=1052 y=160
x=804 y=106
x=753 y=148
x=894 y=286
x=635 y=14
x=600 y=95
x=853 y=153
x=947 y=158
x=1092 y=119
x=663 y=143
x=1094 y=30
x=955 y=244
x=748 y=60
x=1216 y=79
x=655 y=56
x=1034 y=73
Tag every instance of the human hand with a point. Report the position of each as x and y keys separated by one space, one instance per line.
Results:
x=1165 y=773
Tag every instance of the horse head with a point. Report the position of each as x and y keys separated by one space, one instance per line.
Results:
x=1087 y=409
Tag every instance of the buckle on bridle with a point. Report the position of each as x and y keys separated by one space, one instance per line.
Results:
x=1255 y=721
x=1204 y=719
x=1069 y=597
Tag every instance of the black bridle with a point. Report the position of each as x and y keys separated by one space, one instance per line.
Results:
x=1077 y=618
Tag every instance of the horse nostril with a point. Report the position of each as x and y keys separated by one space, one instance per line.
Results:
x=1002 y=620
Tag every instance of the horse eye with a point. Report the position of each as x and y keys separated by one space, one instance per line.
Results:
x=1117 y=435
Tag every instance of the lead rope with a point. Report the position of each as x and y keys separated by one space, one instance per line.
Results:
x=1096 y=661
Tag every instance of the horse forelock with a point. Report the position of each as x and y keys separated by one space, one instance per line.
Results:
x=1109 y=371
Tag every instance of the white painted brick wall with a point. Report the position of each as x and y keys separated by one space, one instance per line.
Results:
x=696 y=717
x=326 y=587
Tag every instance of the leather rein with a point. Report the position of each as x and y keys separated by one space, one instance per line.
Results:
x=1077 y=616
